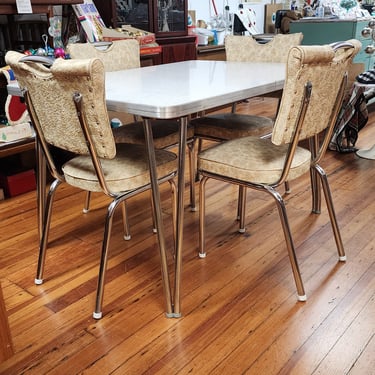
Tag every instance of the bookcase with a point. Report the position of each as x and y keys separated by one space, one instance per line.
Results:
x=167 y=19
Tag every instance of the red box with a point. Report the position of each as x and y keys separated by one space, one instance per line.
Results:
x=18 y=183
x=128 y=32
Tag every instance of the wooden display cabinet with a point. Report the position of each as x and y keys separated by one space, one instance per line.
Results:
x=167 y=19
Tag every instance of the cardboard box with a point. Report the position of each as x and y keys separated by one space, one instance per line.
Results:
x=18 y=183
x=193 y=16
x=128 y=32
x=15 y=132
x=150 y=49
x=270 y=17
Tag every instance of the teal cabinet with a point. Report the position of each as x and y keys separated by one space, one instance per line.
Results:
x=325 y=31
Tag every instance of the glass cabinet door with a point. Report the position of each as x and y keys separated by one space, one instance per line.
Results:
x=170 y=17
x=135 y=13
x=165 y=18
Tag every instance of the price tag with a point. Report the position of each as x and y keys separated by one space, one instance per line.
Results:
x=24 y=6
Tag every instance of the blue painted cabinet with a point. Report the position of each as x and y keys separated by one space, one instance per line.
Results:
x=324 y=31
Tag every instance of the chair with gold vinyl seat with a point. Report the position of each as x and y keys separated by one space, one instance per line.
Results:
x=121 y=55
x=82 y=129
x=117 y=55
x=225 y=126
x=312 y=97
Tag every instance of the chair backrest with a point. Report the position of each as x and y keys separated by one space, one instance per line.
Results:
x=247 y=49
x=51 y=90
x=324 y=67
x=117 y=55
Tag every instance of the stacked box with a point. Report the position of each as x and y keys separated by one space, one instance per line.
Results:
x=18 y=183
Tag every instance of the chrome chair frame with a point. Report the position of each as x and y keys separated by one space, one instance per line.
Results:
x=317 y=176
x=234 y=55
x=130 y=49
x=92 y=134
x=117 y=199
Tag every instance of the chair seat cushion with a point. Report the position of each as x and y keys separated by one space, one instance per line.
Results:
x=127 y=171
x=252 y=159
x=226 y=126
x=165 y=133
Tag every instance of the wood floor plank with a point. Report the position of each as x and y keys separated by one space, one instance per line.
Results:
x=356 y=336
x=365 y=364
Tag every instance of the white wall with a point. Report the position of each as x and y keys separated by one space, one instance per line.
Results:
x=204 y=9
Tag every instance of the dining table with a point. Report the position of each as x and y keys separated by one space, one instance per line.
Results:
x=175 y=91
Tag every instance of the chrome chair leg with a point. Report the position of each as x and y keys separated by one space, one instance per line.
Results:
x=331 y=212
x=315 y=185
x=192 y=171
x=241 y=192
x=45 y=231
x=41 y=172
x=199 y=149
x=242 y=208
x=202 y=217
x=127 y=235
x=173 y=187
x=103 y=260
x=154 y=229
x=125 y=221
x=287 y=187
x=315 y=192
x=86 y=207
x=289 y=242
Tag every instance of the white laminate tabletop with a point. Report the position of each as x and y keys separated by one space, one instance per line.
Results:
x=179 y=89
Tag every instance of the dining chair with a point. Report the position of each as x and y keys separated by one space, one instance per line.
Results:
x=121 y=55
x=117 y=55
x=225 y=126
x=312 y=96
x=66 y=104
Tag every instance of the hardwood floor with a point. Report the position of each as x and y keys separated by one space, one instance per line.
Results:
x=239 y=305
